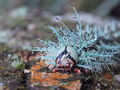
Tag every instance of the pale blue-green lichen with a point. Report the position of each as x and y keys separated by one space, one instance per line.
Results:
x=94 y=54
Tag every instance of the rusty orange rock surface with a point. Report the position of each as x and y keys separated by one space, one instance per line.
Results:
x=52 y=79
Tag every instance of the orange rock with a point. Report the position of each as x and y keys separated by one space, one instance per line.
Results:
x=38 y=66
x=73 y=85
x=51 y=79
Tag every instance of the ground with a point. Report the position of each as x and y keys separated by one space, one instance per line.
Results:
x=16 y=40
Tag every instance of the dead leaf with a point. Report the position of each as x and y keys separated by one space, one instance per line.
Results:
x=108 y=76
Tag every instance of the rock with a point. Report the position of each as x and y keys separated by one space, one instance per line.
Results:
x=50 y=79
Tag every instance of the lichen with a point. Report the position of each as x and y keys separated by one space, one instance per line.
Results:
x=18 y=64
x=94 y=53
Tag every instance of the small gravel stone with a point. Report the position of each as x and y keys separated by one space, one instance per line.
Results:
x=117 y=78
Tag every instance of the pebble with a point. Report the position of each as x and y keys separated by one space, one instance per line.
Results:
x=117 y=78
